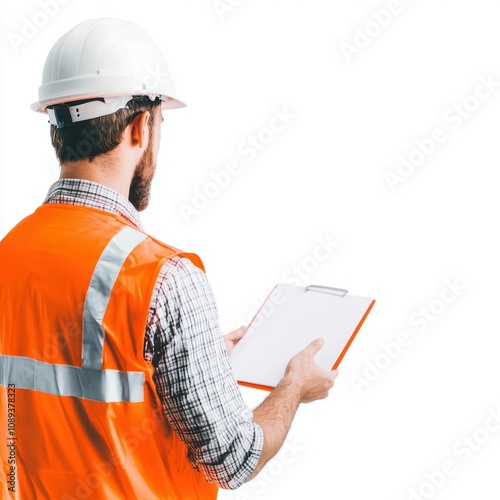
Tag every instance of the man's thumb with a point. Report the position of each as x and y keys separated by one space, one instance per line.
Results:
x=315 y=346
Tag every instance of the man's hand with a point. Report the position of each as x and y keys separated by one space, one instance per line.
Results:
x=313 y=381
x=231 y=339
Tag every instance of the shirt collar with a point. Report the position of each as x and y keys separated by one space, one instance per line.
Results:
x=90 y=194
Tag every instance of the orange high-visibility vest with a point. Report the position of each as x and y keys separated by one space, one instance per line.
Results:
x=79 y=414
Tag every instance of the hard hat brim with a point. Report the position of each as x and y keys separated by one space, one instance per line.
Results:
x=41 y=106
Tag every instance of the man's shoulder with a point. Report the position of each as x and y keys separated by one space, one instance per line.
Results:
x=186 y=260
x=179 y=269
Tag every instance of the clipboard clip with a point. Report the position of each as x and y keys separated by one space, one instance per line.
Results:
x=326 y=289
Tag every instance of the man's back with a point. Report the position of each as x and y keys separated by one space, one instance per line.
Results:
x=75 y=357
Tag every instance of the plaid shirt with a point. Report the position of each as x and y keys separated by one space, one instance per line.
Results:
x=193 y=378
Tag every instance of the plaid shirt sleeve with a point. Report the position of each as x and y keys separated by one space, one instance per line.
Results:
x=194 y=380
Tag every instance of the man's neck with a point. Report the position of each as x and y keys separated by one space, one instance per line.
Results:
x=102 y=171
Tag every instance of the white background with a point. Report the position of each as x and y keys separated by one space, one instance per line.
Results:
x=324 y=177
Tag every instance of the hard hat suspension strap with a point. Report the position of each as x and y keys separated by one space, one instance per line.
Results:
x=63 y=115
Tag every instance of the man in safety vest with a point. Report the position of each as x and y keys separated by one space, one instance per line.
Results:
x=114 y=378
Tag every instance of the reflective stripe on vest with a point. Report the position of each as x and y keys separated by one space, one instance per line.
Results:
x=99 y=293
x=90 y=381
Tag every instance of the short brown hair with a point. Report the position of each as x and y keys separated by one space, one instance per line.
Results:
x=97 y=136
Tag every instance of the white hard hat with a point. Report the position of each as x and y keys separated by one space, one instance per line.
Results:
x=108 y=60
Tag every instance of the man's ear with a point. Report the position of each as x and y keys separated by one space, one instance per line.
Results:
x=139 y=129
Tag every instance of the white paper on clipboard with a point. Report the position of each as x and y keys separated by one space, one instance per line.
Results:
x=290 y=319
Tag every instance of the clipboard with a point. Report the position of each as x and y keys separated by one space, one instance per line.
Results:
x=288 y=321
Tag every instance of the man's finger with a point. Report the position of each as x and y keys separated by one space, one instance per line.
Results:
x=314 y=347
x=239 y=333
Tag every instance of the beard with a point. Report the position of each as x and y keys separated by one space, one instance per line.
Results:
x=140 y=187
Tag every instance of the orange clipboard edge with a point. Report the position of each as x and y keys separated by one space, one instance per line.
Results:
x=349 y=342
x=334 y=367
x=256 y=386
